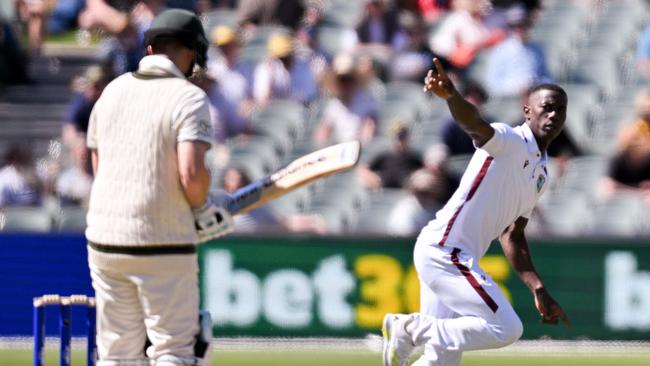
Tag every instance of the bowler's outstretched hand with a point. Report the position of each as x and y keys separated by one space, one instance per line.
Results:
x=549 y=309
x=438 y=82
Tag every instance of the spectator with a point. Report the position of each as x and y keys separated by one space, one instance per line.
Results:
x=64 y=15
x=413 y=58
x=517 y=63
x=13 y=61
x=19 y=183
x=311 y=20
x=412 y=213
x=369 y=74
x=284 y=73
x=643 y=53
x=462 y=34
x=126 y=25
x=73 y=185
x=224 y=4
x=436 y=161
x=630 y=168
x=310 y=26
x=263 y=219
x=380 y=24
x=352 y=112
x=228 y=94
x=531 y=6
x=252 y=13
x=457 y=140
x=391 y=168
x=562 y=150
x=497 y=18
x=189 y=5
x=88 y=88
x=432 y=10
x=33 y=13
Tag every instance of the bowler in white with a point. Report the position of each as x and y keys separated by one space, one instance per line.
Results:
x=461 y=307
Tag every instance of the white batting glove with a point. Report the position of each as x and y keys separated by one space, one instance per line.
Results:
x=212 y=220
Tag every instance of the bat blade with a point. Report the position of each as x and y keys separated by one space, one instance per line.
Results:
x=321 y=163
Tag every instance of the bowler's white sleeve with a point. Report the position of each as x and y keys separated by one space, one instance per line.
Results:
x=192 y=120
x=526 y=215
x=504 y=139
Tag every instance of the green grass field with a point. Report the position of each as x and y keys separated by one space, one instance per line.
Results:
x=24 y=357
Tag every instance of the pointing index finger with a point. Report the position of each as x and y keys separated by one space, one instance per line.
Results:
x=439 y=69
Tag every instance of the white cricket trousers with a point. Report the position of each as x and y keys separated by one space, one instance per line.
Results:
x=461 y=307
x=140 y=296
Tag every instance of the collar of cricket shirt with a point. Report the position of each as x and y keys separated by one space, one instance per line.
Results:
x=158 y=65
x=531 y=143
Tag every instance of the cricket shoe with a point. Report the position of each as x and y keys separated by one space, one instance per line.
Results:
x=398 y=344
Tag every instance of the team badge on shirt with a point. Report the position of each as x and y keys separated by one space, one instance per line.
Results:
x=541 y=179
x=204 y=127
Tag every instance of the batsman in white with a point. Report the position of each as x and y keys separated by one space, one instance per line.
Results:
x=149 y=203
x=461 y=307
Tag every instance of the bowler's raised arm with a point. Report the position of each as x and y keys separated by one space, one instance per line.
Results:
x=464 y=112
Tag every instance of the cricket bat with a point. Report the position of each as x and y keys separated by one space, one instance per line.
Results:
x=321 y=163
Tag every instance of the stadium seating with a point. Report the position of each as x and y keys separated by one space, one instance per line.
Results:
x=373 y=217
x=590 y=49
x=295 y=202
x=505 y=110
x=71 y=219
x=620 y=215
x=584 y=103
x=218 y=17
x=583 y=175
x=343 y=13
x=21 y=219
x=565 y=214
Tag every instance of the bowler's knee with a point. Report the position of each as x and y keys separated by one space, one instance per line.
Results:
x=507 y=331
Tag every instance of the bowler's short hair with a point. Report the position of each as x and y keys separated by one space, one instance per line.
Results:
x=546 y=86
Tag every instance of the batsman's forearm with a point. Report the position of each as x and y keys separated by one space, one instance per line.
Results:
x=196 y=187
x=94 y=160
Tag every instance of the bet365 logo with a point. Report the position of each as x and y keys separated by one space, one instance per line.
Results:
x=336 y=294
x=627 y=292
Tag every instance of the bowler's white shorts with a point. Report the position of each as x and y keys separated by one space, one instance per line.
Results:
x=461 y=307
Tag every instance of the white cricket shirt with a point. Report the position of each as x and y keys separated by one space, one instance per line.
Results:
x=502 y=182
x=137 y=197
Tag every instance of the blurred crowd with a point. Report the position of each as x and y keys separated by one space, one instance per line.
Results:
x=390 y=41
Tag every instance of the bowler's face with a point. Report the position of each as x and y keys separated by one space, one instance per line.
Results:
x=546 y=113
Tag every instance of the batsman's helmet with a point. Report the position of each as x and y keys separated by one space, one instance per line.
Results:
x=182 y=25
